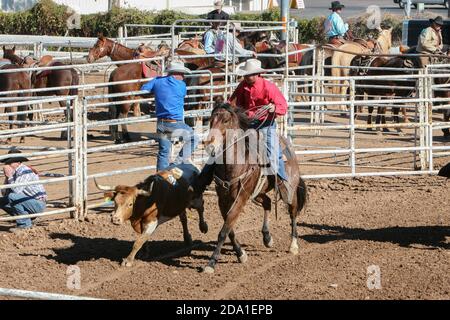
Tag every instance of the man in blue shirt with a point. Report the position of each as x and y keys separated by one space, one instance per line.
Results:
x=170 y=92
x=335 y=28
x=211 y=36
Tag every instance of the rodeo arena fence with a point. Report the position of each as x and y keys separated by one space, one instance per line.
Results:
x=320 y=124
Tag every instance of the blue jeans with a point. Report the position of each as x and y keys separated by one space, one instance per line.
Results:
x=18 y=204
x=274 y=152
x=168 y=130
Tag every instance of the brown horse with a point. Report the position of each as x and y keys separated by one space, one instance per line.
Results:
x=15 y=81
x=385 y=88
x=193 y=47
x=57 y=78
x=131 y=71
x=237 y=183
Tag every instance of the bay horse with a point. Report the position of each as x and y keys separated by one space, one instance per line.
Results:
x=130 y=71
x=57 y=78
x=344 y=59
x=385 y=87
x=238 y=181
x=19 y=80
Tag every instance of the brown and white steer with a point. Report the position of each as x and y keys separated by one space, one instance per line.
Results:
x=151 y=203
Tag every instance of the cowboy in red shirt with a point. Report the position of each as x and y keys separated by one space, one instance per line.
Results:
x=263 y=102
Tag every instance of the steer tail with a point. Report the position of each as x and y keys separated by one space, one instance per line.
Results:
x=75 y=82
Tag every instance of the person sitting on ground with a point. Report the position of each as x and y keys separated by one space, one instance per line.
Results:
x=22 y=200
x=335 y=29
x=170 y=92
x=430 y=41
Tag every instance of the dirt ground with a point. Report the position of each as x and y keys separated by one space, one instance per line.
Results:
x=400 y=224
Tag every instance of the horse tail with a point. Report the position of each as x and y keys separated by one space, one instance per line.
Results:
x=336 y=72
x=302 y=194
x=75 y=82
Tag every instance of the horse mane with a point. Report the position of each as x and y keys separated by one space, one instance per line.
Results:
x=242 y=117
x=15 y=59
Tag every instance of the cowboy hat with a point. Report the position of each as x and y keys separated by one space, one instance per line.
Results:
x=236 y=26
x=218 y=5
x=177 y=67
x=336 y=5
x=438 y=20
x=14 y=159
x=251 y=66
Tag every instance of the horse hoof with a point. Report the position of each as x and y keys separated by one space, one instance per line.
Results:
x=243 y=258
x=126 y=263
x=294 y=249
x=268 y=244
x=208 y=269
x=188 y=242
x=118 y=141
x=203 y=227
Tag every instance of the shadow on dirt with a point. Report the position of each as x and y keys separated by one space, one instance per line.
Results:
x=431 y=236
x=164 y=251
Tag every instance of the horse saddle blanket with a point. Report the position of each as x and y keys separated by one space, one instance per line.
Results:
x=44 y=73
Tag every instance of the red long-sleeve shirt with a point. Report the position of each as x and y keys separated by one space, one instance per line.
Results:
x=261 y=93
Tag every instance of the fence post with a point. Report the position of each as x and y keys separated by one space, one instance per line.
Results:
x=422 y=122
x=69 y=146
x=77 y=119
x=84 y=156
x=429 y=81
x=352 y=127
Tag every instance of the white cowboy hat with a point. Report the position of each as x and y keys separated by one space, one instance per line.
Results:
x=218 y=5
x=251 y=66
x=236 y=26
x=177 y=67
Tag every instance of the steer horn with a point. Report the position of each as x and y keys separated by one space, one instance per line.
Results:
x=104 y=188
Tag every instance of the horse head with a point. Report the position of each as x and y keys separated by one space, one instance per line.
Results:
x=101 y=48
x=384 y=40
x=10 y=54
x=224 y=119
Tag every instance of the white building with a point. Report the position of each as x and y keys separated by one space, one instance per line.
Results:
x=187 y=6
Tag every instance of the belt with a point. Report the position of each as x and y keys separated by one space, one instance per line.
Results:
x=168 y=120
x=334 y=37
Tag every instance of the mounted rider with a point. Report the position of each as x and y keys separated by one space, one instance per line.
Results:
x=263 y=103
x=430 y=41
x=336 y=30
x=214 y=37
x=232 y=43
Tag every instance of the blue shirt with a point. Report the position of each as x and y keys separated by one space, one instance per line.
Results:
x=169 y=96
x=335 y=26
x=210 y=39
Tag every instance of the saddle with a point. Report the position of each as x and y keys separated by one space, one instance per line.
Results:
x=368 y=44
x=4 y=62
